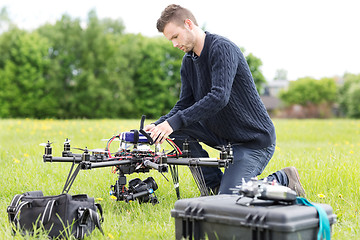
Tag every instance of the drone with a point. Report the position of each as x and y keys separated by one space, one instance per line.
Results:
x=137 y=153
x=264 y=190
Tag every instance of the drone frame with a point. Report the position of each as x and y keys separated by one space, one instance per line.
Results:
x=136 y=161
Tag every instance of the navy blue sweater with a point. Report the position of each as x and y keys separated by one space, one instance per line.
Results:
x=217 y=89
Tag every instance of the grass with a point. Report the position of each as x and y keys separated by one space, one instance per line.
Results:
x=326 y=153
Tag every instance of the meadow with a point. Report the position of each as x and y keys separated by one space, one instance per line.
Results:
x=325 y=152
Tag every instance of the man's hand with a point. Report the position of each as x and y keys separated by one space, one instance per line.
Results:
x=148 y=128
x=160 y=132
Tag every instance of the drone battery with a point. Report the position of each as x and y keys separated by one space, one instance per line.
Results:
x=224 y=217
x=130 y=137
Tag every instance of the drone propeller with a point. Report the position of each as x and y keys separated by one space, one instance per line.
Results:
x=96 y=150
x=46 y=144
x=81 y=149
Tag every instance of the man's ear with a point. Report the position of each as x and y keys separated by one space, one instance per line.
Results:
x=188 y=24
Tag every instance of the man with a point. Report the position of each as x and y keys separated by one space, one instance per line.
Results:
x=218 y=104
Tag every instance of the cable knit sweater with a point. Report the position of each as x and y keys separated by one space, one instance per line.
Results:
x=217 y=89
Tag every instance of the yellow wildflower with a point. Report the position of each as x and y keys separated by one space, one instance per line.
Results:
x=320 y=195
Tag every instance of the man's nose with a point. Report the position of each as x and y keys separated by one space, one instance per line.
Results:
x=175 y=44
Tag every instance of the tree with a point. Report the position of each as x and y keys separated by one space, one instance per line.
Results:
x=88 y=67
x=100 y=77
x=23 y=64
x=254 y=65
x=157 y=77
x=72 y=69
x=309 y=90
x=348 y=100
x=354 y=101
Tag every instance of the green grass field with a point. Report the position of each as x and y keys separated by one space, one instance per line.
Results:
x=326 y=153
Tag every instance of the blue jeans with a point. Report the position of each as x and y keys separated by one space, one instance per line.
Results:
x=247 y=162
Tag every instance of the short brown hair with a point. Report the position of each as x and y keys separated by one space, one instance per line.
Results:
x=174 y=13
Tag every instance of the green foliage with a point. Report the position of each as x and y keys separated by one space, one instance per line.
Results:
x=349 y=96
x=92 y=69
x=255 y=64
x=309 y=90
x=23 y=65
x=354 y=101
x=157 y=77
x=88 y=69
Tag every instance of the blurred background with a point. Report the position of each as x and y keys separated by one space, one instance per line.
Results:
x=105 y=59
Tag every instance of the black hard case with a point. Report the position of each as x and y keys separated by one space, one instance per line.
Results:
x=223 y=217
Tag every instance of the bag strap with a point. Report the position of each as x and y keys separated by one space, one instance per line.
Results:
x=98 y=205
x=46 y=215
x=16 y=205
x=87 y=213
x=11 y=209
x=14 y=209
x=324 y=224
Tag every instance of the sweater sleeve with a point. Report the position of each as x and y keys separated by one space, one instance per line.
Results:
x=222 y=67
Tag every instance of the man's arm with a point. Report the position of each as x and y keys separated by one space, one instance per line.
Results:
x=223 y=66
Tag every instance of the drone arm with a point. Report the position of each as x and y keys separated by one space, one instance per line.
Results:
x=49 y=158
x=159 y=167
x=91 y=165
x=197 y=162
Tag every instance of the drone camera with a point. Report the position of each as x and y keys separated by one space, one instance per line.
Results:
x=138 y=190
x=149 y=184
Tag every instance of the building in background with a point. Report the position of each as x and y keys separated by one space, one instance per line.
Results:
x=270 y=96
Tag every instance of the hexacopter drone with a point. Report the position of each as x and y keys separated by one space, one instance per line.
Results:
x=136 y=156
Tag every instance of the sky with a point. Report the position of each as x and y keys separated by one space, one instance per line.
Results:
x=307 y=38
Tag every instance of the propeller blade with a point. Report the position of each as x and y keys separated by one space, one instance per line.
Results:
x=45 y=144
x=81 y=149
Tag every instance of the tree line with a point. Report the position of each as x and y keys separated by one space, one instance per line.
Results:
x=68 y=70
x=342 y=94
x=95 y=70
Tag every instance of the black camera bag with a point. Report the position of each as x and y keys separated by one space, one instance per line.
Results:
x=60 y=216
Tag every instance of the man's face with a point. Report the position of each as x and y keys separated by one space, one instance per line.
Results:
x=182 y=37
